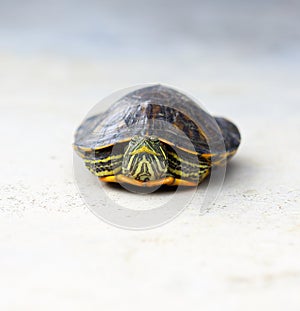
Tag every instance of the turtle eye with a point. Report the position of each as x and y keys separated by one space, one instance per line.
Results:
x=153 y=138
x=134 y=138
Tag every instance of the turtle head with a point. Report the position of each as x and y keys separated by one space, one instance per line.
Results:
x=145 y=159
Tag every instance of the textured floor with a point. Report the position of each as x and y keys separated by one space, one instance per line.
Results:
x=243 y=254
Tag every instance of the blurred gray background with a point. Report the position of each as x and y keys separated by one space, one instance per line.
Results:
x=151 y=28
x=233 y=44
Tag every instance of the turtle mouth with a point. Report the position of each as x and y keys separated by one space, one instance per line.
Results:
x=143 y=178
x=144 y=175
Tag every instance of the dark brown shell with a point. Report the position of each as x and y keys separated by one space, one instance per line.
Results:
x=164 y=112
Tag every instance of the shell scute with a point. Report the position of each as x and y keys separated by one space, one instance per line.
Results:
x=163 y=112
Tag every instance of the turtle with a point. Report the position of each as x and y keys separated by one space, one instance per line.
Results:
x=153 y=136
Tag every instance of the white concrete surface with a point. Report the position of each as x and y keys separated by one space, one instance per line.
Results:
x=242 y=255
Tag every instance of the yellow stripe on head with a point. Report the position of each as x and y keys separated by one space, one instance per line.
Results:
x=144 y=149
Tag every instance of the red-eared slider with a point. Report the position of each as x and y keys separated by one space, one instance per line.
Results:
x=137 y=140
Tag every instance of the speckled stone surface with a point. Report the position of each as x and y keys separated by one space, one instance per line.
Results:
x=244 y=254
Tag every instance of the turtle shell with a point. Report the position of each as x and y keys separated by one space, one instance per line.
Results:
x=161 y=111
